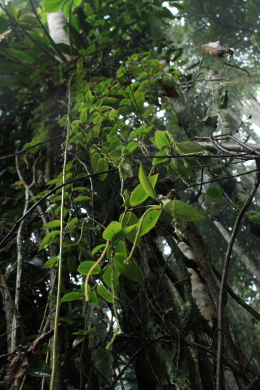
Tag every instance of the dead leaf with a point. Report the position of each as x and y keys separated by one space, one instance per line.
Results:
x=217 y=49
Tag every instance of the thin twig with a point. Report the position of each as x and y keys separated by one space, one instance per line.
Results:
x=30 y=147
x=220 y=357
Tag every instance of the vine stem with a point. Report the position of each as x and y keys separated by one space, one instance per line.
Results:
x=60 y=257
x=94 y=266
x=220 y=357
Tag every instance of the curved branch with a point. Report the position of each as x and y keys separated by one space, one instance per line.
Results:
x=220 y=358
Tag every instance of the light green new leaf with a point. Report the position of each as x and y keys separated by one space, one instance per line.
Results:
x=145 y=183
x=182 y=210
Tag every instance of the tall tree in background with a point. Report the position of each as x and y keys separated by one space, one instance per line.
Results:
x=113 y=274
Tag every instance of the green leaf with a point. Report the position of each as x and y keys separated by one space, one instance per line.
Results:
x=112 y=114
x=214 y=193
x=8 y=68
x=97 y=248
x=53 y=5
x=130 y=233
x=113 y=231
x=161 y=140
x=189 y=147
x=145 y=183
x=107 y=277
x=23 y=55
x=85 y=266
x=157 y=160
x=255 y=218
x=38 y=368
x=74 y=221
x=128 y=219
x=94 y=161
x=3 y=24
x=82 y=198
x=181 y=167
x=51 y=262
x=130 y=270
x=93 y=298
x=125 y=102
x=235 y=213
x=121 y=248
x=77 y=341
x=104 y=293
x=182 y=210
x=240 y=204
x=52 y=224
x=148 y=112
x=150 y=219
x=72 y=296
x=139 y=195
x=217 y=171
x=102 y=165
x=91 y=49
x=49 y=239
